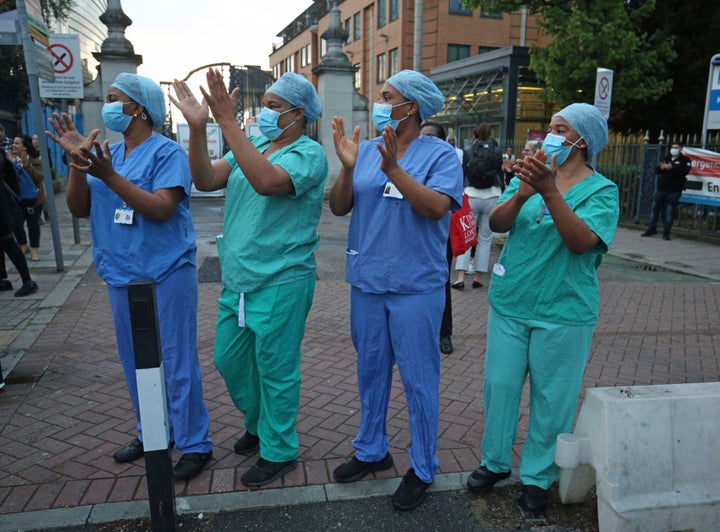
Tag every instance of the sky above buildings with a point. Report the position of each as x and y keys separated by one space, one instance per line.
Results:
x=179 y=36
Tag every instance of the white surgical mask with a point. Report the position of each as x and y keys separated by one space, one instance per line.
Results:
x=674 y=152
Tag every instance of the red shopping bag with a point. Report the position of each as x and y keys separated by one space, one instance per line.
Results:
x=463 y=231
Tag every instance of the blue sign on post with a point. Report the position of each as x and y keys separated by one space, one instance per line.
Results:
x=711 y=119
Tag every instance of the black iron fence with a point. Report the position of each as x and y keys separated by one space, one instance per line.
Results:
x=632 y=167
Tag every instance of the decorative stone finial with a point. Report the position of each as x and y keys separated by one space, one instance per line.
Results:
x=116 y=21
x=335 y=36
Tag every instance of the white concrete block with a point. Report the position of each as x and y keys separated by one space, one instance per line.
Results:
x=652 y=452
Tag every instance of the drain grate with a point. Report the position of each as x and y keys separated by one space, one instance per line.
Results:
x=649 y=268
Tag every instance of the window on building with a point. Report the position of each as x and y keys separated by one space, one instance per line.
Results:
x=491 y=14
x=394 y=9
x=358 y=76
x=356 y=27
x=393 y=62
x=456 y=8
x=308 y=52
x=456 y=52
x=303 y=57
x=381 y=13
x=381 y=70
x=484 y=49
x=347 y=29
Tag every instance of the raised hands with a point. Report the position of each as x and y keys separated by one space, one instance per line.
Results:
x=346 y=149
x=70 y=139
x=196 y=113
x=221 y=103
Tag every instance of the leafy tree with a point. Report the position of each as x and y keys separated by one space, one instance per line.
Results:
x=622 y=35
x=13 y=75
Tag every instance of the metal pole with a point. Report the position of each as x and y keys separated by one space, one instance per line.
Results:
x=153 y=403
x=27 y=44
x=417 y=36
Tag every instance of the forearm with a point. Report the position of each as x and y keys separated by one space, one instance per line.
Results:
x=201 y=168
x=262 y=175
x=426 y=201
x=503 y=215
x=575 y=233
x=341 y=195
x=150 y=205
x=77 y=195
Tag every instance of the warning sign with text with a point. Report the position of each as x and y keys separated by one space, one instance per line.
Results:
x=64 y=52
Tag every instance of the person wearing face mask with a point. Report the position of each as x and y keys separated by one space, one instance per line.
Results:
x=137 y=195
x=561 y=215
x=274 y=191
x=672 y=172
x=400 y=187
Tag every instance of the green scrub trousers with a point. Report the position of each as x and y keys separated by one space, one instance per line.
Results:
x=260 y=362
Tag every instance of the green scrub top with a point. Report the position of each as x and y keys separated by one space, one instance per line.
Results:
x=537 y=277
x=270 y=240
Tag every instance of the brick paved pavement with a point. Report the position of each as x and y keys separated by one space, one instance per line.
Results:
x=66 y=409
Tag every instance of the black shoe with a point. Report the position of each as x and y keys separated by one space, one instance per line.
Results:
x=5 y=285
x=190 y=465
x=248 y=444
x=482 y=479
x=446 y=345
x=533 y=501
x=649 y=233
x=411 y=492
x=265 y=472
x=460 y=285
x=131 y=452
x=355 y=469
x=666 y=237
x=26 y=289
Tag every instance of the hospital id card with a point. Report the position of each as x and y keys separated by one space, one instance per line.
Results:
x=125 y=216
x=391 y=191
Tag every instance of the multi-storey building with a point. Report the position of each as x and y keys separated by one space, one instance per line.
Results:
x=382 y=40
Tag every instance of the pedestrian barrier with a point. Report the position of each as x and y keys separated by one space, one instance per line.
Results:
x=652 y=453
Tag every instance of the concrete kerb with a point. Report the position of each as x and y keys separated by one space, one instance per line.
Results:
x=219 y=502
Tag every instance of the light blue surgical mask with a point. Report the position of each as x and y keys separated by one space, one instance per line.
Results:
x=268 y=122
x=114 y=118
x=381 y=115
x=553 y=145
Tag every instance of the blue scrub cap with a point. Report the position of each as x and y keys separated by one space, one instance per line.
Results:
x=589 y=123
x=298 y=91
x=418 y=88
x=145 y=92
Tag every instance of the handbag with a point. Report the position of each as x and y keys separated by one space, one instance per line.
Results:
x=463 y=229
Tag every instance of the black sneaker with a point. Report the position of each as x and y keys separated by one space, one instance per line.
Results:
x=649 y=233
x=26 y=289
x=355 y=469
x=533 y=501
x=5 y=285
x=131 y=452
x=411 y=492
x=190 y=465
x=248 y=444
x=482 y=479
x=446 y=345
x=265 y=472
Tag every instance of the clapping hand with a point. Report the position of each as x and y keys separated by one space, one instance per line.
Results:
x=70 y=139
x=221 y=103
x=195 y=113
x=388 y=150
x=346 y=149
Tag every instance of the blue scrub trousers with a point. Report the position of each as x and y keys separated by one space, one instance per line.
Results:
x=403 y=329
x=177 y=313
x=554 y=357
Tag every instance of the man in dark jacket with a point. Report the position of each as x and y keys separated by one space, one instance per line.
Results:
x=671 y=174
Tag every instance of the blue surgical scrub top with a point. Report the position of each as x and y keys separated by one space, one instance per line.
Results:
x=144 y=249
x=391 y=247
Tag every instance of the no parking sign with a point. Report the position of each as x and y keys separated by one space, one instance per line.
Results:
x=603 y=90
x=64 y=52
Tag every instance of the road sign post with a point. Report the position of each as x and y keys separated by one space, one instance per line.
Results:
x=603 y=90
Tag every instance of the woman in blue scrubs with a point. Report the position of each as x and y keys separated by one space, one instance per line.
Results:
x=561 y=215
x=400 y=188
x=137 y=195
